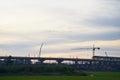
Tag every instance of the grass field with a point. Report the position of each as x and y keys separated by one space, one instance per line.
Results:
x=94 y=76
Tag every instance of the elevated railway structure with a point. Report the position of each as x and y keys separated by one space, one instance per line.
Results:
x=96 y=63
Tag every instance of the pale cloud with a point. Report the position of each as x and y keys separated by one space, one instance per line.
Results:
x=60 y=24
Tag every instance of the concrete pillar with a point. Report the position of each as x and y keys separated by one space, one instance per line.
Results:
x=41 y=61
x=76 y=62
x=27 y=61
x=59 y=61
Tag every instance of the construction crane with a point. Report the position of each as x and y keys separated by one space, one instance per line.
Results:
x=40 y=50
x=93 y=49
x=106 y=54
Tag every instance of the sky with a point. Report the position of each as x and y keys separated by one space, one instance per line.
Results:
x=60 y=25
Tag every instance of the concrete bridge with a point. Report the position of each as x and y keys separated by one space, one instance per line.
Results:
x=42 y=59
x=97 y=63
x=95 y=60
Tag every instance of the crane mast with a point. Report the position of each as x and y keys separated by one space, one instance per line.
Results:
x=40 y=50
x=94 y=48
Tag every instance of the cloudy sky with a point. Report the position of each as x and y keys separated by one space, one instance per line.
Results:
x=61 y=25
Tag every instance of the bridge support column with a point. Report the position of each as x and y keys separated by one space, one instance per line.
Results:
x=27 y=61
x=59 y=61
x=76 y=62
x=90 y=62
x=41 y=61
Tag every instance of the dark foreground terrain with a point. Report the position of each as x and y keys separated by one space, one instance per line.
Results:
x=43 y=70
x=92 y=76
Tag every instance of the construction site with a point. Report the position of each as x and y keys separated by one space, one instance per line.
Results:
x=96 y=63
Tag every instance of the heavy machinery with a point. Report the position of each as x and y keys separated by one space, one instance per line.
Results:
x=40 y=50
x=93 y=49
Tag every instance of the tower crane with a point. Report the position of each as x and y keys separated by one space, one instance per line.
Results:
x=40 y=50
x=93 y=49
x=106 y=54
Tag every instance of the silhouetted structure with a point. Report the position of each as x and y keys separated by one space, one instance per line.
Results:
x=97 y=63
